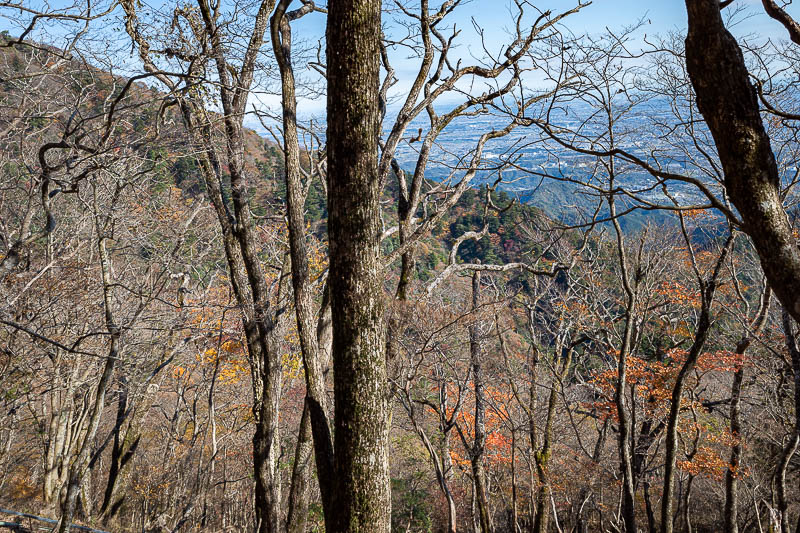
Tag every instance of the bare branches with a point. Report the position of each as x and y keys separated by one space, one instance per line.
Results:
x=777 y=13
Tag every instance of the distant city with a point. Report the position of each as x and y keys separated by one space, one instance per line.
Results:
x=543 y=173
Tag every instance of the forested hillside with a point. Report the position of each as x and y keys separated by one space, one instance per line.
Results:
x=356 y=326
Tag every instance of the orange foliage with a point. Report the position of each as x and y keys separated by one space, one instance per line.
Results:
x=677 y=293
x=653 y=380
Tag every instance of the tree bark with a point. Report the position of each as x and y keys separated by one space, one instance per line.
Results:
x=542 y=455
x=316 y=393
x=729 y=104
x=794 y=438
x=731 y=511
x=362 y=493
x=707 y=290
x=667 y=500
x=79 y=468
x=620 y=399
x=479 y=444
x=300 y=494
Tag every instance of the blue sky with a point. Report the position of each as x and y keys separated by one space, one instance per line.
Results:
x=660 y=16
x=663 y=15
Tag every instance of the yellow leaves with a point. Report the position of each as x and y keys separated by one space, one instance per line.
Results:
x=232 y=371
x=209 y=356
x=572 y=308
x=317 y=259
x=232 y=346
x=291 y=359
x=230 y=368
x=680 y=330
x=291 y=365
x=148 y=484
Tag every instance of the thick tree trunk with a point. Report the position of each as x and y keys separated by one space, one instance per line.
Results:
x=362 y=491
x=300 y=493
x=729 y=104
x=265 y=453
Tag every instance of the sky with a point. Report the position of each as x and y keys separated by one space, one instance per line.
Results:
x=662 y=15
x=658 y=16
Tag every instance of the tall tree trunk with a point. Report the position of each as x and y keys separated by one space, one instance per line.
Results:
x=126 y=440
x=648 y=503
x=300 y=493
x=582 y=524
x=479 y=444
x=687 y=495
x=261 y=322
x=127 y=435
x=707 y=290
x=701 y=335
x=79 y=467
x=532 y=429
x=542 y=456
x=261 y=325
x=316 y=393
x=794 y=438
x=514 y=526
x=265 y=452
x=620 y=399
x=61 y=432
x=441 y=464
x=729 y=103
x=731 y=511
x=362 y=491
